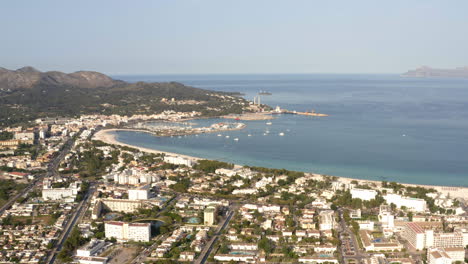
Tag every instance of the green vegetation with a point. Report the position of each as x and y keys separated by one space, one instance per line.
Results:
x=92 y=162
x=83 y=190
x=344 y=199
x=210 y=166
x=5 y=135
x=266 y=245
x=181 y=186
x=46 y=100
x=26 y=149
x=8 y=188
x=74 y=241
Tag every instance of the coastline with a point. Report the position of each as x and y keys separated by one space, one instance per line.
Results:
x=106 y=137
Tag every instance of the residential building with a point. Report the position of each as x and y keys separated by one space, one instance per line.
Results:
x=123 y=231
x=209 y=215
x=141 y=193
x=363 y=194
x=413 y=204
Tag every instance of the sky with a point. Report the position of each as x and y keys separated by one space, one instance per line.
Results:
x=242 y=36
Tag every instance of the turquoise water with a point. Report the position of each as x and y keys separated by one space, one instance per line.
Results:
x=193 y=220
x=242 y=253
x=381 y=127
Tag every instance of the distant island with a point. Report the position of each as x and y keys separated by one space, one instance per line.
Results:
x=425 y=71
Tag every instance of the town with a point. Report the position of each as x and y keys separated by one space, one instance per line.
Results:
x=68 y=197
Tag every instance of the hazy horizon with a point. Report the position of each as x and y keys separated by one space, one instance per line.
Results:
x=242 y=37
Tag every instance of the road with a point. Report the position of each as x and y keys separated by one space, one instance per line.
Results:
x=345 y=230
x=144 y=254
x=51 y=170
x=77 y=214
x=209 y=246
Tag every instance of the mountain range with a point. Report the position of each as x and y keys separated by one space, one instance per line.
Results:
x=27 y=94
x=28 y=77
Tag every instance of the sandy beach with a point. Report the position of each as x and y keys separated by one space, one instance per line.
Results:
x=105 y=136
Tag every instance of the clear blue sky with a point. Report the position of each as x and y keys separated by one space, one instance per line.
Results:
x=241 y=36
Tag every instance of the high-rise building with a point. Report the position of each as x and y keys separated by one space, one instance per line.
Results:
x=421 y=238
x=209 y=215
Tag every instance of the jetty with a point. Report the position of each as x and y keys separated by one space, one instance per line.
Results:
x=278 y=110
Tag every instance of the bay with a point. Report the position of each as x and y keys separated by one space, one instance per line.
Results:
x=381 y=127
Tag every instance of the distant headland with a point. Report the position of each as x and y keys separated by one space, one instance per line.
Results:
x=425 y=71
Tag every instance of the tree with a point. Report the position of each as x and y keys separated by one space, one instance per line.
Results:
x=266 y=245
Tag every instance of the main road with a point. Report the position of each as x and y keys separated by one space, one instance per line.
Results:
x=209 y=246
x=78 y=213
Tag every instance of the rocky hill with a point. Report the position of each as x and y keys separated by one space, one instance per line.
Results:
x=425 y=71
x=27 y=94
x=29 y=77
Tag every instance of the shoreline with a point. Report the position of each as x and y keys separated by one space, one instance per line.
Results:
x=105 y=136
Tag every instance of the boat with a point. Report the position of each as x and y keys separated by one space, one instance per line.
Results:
x=219 y=135
x=236 y=139
x=264 y=134
x=227 y=136
x=249 y=135
x=281 y=134
x=269 y=123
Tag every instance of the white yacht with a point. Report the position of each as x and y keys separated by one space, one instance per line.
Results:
x=281 y=134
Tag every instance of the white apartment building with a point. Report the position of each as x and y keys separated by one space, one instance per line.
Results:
x=244 y=246
x=420 y=238
x=448 y=240
x=236 y=258
x=366 y=225
x=209 y=215
x=93 y=248
x=386 y=218
x=24 y=136
x=135 y=177
x=128 y=231
x=363 y=194
x=139 y=194
x=413 y=204
x=416 y=235
x=121 y=205
x=445 y=256
x=179 y=160
x=327 y=220
x=49 y=193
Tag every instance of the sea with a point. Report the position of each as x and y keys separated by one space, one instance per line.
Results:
x=380 y=127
